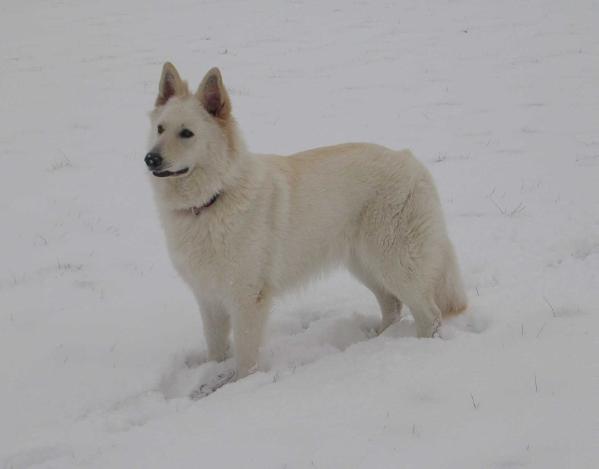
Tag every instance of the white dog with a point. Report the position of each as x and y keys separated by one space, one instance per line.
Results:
x=242 y=228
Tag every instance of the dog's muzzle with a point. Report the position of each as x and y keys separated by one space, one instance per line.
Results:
x=154 y=161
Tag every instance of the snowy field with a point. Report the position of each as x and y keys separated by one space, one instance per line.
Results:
x=100 y=340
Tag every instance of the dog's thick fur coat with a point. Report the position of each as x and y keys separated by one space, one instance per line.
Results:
x=273 y=222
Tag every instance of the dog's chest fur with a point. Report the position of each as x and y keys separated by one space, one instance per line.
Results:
x=211 y=250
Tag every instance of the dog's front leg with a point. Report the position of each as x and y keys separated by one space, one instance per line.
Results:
x=216 y=329
x=248 y=327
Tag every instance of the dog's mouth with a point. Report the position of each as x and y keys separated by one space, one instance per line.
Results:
x=165 y=174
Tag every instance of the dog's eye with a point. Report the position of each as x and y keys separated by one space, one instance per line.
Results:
x=160 y=129
x=186 y=133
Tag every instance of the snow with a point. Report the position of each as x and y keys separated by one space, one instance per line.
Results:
x=100 y=341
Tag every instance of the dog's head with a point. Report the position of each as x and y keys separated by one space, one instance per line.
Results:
x=193 y=136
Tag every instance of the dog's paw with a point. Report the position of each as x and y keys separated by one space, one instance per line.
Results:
x=215 y=382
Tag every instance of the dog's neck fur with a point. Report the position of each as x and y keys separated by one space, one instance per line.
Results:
x=195 y=211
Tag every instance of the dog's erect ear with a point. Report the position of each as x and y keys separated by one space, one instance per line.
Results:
x=213 y=95
x=170 y=84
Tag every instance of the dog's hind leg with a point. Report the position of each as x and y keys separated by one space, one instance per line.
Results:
x=427 y=314
x=412 y=279
x=416 y=296
x=390 y=304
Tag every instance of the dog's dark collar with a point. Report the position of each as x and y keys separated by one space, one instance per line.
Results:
x=197 y=210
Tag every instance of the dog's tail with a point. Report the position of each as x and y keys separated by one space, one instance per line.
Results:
x=450 y=294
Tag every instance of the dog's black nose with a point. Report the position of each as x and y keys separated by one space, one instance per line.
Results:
x=153 y=160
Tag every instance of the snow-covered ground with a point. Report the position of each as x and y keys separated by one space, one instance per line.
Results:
x=98 y=336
